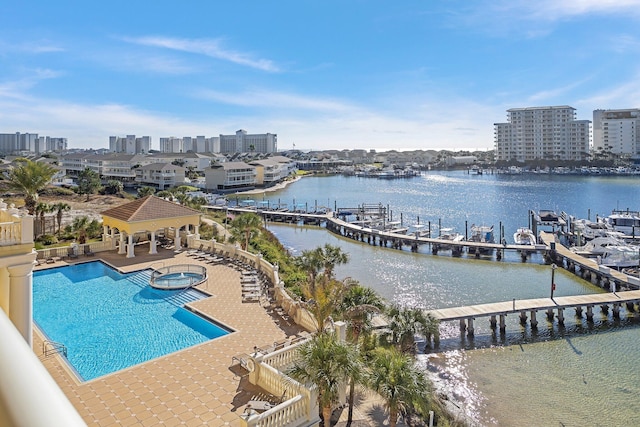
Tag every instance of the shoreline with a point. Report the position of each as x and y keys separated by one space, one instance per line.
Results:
x=444 y=388
x=276 y=187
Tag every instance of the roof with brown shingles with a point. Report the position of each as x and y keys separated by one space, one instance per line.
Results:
x=149 y=208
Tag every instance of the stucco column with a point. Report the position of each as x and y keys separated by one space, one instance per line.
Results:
x=197 y=233
x=121 y=249
x=4 y=290
x=176 y=241
x=105 y=233
x=130 y=247
x=21 y=299
x=152 y=244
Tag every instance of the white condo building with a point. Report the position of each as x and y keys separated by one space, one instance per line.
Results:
x=199 y=144
x=242 y=142
x=616 y=131
x=542 y=133
x=130 y=144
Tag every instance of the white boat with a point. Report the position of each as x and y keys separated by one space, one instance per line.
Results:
x=450 y=236
x=627 y=222
x=482 y=234
x=548 y=216
x=524 y=236
x=419 y=230
x=448 y=239
x=620 y=256
x=590 y=230
x=597 y=246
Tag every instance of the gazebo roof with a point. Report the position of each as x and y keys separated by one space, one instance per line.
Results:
x=149 y=208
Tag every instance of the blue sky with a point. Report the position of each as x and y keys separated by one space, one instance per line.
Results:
x=320 y=74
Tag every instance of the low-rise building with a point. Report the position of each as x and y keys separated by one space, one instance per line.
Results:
x=160 y=175
x=272 y=170
x=230 y=176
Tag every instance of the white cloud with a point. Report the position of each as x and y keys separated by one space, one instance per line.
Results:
x=556 y=10
x=30 y=47
x=273 y=100
x=549 y=95
x=209 y=47
x=624 y=95
x=16 y=88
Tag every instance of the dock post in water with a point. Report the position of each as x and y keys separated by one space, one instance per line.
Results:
x=590 y=313
x=534 y=322
x=503 y=323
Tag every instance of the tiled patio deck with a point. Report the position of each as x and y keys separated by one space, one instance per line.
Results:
x=192 y=387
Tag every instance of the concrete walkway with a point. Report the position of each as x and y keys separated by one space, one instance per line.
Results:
x=196 y=386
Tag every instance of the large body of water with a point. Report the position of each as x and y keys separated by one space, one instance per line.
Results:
x=578 y=375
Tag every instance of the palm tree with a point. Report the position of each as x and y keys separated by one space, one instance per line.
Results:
x=29 y=178
x=311 y=263
x=405 y=323
x=331 y=257
x=41 y=209
x=60 y=207
x=244 y=227
x=394 y=376
x=358 y=303
x=356 y=307
x=145 y=191
x=322 y=300
x=327 y=363
x=80 y=226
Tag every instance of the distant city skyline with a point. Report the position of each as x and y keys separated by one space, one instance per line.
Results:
x=330 y=75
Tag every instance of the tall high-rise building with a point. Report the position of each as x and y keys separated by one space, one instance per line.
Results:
x=130 y=144
x=617 y=131
x=30 y=143
x=542 y=133
x=198 y=144
x=242 y=142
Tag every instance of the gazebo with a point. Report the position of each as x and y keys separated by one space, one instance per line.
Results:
x=149 y=215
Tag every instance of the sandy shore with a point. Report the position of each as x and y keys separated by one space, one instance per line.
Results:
x=447 y=388
x=276 y=187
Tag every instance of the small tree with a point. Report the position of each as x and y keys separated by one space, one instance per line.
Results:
x=60 y=208
x=394 y=376
x=244 y=227
x=113 y=187
x=145 y=191
x=327 y=363
x=88 y=182
x=29 y=178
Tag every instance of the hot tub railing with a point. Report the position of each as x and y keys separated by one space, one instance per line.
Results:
x=157 y=275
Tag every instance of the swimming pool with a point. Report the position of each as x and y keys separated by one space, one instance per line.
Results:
x=109 y=321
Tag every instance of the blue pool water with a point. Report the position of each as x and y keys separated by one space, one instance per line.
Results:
x=109 y=321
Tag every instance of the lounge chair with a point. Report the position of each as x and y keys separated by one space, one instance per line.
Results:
x=192 y=252
x=71 y=253
x=88 y=251
x=242 y=360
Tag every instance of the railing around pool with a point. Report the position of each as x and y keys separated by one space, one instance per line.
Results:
x=160 y=280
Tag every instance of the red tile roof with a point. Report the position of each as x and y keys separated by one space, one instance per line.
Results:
x=149 y=208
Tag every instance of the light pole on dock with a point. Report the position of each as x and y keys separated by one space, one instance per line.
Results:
x=553 y=283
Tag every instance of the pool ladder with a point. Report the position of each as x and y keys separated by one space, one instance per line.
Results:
x=52 y=347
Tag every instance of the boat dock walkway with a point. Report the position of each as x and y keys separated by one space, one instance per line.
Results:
x=382 y=237
x=587 y=268
x=466 y=315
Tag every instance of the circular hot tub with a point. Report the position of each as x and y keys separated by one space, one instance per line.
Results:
x=178 y=276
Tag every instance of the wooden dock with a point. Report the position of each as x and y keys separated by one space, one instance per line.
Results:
x=587 y=268
x=554 y=307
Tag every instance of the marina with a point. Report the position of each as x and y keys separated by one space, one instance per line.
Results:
x=482 y=374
